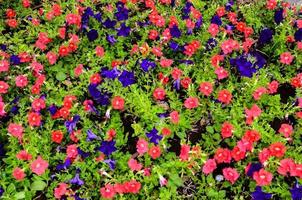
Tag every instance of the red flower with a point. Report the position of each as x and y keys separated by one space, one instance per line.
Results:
x=277 y=149
x=60 y=190
x=213 y=29
x=229 y=45
x=15 y=130
x=206 y=88
x=159 y=94
x=10 y=13
x=264 y=155
x=78 y=70
x=4 y=66
x=24 y=155
x=271 y=4
x=166 y=62
x=63 y=51
x=226 y=130
x=110 y=134
x=191 y=102
x=241 y=26
x=184 y=152
x=223 y=155
x=132 y=186
x=39 y=166
x=225 y=96
x=142 y=146
x=119 y=188
x=73 y=19
x=13 y=23
x=108 y=191
x=176 y=73
x=262 y=177
x=64 y=112
x=153 y=34
x=57 y=136
x=134 y=165
x=237 y=154
x=72 y=151
x=186 y=82
x=34 y=119
x=286 y=166
x=154 y=152
x=251 y=135
x=286 y=130
x=215 y=60
x=3 y=87
x=118 y=103
x=166 y=131
x=252 y=113
x=95 y=78
x=18 y=174
x=245 y=145
x=230 y=174
x=220 y=11
x=174 y=117
x=209 y=166
x=286 y=58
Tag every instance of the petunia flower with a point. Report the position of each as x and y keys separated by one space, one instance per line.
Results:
x=258 y=194
x=65 y=165
x=70 y=125
x=107 y=147
x=109 y=23
x=39 y=166
x=266 y=35
x=90 y=135
x=153 y=136
x=175 y=32
x=127 y=78
x=278 y=17
x=298 y=35
x=146 y=65
x=76 y=180
x=111 y=39
x=92 y=35
x=296 y=192
x=111 y=163
x=123 y=30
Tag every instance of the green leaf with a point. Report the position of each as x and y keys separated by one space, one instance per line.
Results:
x=20 y=195
x=38 y=185
x=60 y=76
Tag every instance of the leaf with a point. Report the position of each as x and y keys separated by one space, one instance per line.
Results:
x=60 y=76
x=38 y=185
x=20 y=195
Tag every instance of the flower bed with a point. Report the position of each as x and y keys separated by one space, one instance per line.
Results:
x=163 y=99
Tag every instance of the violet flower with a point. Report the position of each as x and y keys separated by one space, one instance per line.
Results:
x=70 y=125
x=107 y=147
x=76 y=180
x=258 y=194
x=153 y=136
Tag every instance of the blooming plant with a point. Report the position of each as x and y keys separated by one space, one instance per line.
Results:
x=134 y=99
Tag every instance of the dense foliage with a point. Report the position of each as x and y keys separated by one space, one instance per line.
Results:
x=166 y=99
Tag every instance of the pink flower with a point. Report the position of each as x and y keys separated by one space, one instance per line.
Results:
x=286 y=130
x=252 y=113
x=259 y=92
x=223 y=155
x=51 y=57
x=15 y=130
x=162 y=181
x=286 y=58
x=154 y=152
x=286 y=166
x=209 y=166
x=134 y=165
x=21 y=81
x=78 y=70
x=264 y=155
x=272 y=87
x=3 y=87
x=213 y=29
x=206 y=88
x=2 y=111
x=166 y=62
x=108 y=191
x=191 y=102
x=73 y=19
x=184 y=152
x=225 y=96
x=60 y=190
x=4 y=66
x=262 y=177
x=174 y=116
x=18 y=174
x=39 y=166
x=229 y=45
x=230 y=174
x=72 y=151
x=226 y=130
x=24 y=155
x=142 y=146
x=99 y=51
x=221 y=73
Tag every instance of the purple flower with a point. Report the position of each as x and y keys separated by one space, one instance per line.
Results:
x=127 y=78
x=109 y=23
x=146 y=64
x=111 y=163
x=107 y=147
x=70 y=125
x=83 y=153
x=228 y=5
x=187 y=62
x=92 y=35
x=298 y=35
x=211 y=44
x=64 y=166
x=111 y=39
x=124 y=30
x=296 y=192
x=175 y=32
x=98 y=17
x=153 y=137
x=90 y=135
x=216 y=20
x=174 y=46
x=15 y=60
x=2 y=152
x=97 y=95
x=278 y=16
x=122 y=13
x=111 y=74
x=266 y=35
x=163 y=115
x=198 y=23
x=176 y=84
x=254 y=167
x=52 y=109
x=1 y=191
x=260 y=195
x=3 y=47
x=76 y=180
